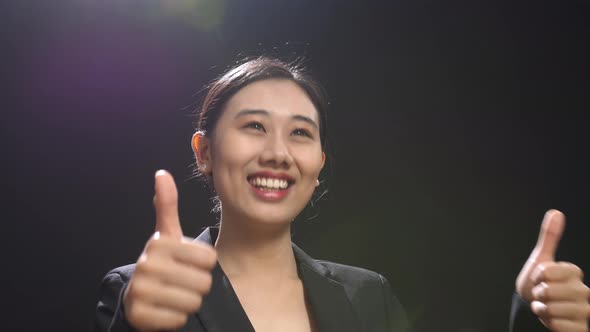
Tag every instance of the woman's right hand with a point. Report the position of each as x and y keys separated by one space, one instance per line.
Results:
x=172 y=274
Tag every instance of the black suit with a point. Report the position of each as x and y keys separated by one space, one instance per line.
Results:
x=343 y=299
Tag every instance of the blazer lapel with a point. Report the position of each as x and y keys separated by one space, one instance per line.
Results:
x=221 y=310
x=331 y=306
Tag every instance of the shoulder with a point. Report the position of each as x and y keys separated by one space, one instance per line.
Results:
x=360 y=284
x=355 y=280
x=109 y=312
x=370 y=294
x=353 y=275
x=121 y=273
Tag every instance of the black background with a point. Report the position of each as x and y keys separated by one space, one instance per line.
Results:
x=454 y=125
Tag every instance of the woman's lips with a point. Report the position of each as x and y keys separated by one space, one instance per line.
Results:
x=271 y=175
x=269 y=194
x=270 y=186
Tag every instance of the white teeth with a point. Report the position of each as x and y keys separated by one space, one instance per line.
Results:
x=269 y=183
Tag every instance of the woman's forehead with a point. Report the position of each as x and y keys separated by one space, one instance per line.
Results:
x=279 y=97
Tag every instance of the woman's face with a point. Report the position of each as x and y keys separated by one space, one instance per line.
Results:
x=265 y=152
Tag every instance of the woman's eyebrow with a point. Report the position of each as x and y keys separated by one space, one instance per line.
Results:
x=250 y=112
x=305 y=119
x=297 y=117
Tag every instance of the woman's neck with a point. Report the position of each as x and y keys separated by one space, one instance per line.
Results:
x=247 y=250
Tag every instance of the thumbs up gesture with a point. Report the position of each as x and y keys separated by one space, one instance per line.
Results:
x=555 y=290
x=172 y=274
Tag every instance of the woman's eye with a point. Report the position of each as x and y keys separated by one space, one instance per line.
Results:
x=301 y=132
x=255 y=125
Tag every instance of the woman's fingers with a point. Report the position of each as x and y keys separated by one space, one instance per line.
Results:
x=556 y=271
x=148 y=317
x=561 y=310
x=169 y=272
x=172 y=274
x=170 y=279
x=198 y=254
x=565 y=325
x=560 y=297
x=166 y=205
x=167 y=296
x=574 y=290
x=543 y=254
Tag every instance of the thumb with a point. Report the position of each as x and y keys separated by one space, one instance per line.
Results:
x=549 y=236
x=166 y=205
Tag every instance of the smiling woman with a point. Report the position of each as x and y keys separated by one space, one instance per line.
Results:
x=260 y=144
x=268 y=134
x=264 y=154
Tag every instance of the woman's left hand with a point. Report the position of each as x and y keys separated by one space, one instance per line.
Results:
x=555 y=290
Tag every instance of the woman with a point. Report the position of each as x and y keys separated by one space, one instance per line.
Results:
x=260 y=145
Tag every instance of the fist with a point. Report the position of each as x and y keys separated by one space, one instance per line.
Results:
x=555 y=290
x=172 y=274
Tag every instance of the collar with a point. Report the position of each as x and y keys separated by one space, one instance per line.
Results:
x=221 y=310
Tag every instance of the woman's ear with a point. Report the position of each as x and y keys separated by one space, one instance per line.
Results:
x=317 y=181
x=202 y=149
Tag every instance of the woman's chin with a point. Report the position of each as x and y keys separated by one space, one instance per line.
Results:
x=270 y=217
x=261 y=214
x=270 y=220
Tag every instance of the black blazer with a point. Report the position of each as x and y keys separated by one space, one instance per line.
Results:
x=343 y=298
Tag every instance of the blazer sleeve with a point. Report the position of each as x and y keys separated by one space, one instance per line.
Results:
x=109 y=310
x=522 y=319
x=397 y=320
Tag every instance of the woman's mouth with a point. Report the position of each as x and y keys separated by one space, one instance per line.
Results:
x=270 y=187
x=269 y=183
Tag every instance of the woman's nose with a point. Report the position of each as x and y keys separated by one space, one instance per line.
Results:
x=276 y=153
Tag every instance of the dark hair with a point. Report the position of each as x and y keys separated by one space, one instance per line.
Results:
x=250 y=71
